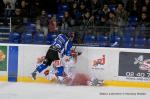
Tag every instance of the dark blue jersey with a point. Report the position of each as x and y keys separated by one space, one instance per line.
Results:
x=63 y=43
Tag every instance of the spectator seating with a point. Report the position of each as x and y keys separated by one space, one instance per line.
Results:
x=31 y=27
x=127 y=42
x=114 y=41
x=62 y=8
x=133 y=27
x=129 y=31
x=49 y=16
x=50 y=37
x=65 y=7
x=112 y=7
x=89 y=39
x=14 y=37
x=27 y=38
x=148 y=43
x=60 y=17
x=102 y=40
x=132 y=20
x=140 y=42
x=38 y=38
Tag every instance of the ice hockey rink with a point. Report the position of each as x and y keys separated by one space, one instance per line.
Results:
x=54 y=91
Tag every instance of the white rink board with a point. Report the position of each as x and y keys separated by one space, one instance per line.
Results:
x=108 y=70
x=27 y=58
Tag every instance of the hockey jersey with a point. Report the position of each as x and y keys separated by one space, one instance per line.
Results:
x=63 y=43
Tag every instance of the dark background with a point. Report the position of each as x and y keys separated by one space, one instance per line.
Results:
x=126 y=63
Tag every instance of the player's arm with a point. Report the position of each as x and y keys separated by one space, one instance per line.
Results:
x=68 y=49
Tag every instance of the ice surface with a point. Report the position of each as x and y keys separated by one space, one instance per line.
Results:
x=55 y=91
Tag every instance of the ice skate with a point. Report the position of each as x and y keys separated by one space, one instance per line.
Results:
x=34 y=75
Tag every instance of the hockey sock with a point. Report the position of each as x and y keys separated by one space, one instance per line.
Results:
x=41 y=67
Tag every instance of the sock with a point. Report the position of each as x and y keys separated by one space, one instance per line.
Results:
x=40 y=68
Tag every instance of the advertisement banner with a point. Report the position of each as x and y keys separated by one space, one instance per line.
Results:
x=98 y=63
x=134 y=66
x=103 y=62
x=3 y=58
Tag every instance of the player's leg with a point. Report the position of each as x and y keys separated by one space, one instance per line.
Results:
x=50 y=74
x=60 y=74
x=39 y=69
x=51 y=55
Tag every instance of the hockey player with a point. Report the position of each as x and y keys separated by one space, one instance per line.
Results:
x=61 y=46
x=56 y=71
x=63 y=69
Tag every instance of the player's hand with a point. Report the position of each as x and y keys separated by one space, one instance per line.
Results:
x=66 y=58
x=46 y=72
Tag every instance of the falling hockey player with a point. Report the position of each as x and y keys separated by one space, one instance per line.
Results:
x=64 y=69
x=64 y=72
x=61 y=46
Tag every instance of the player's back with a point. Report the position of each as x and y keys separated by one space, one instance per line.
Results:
x=60 y=41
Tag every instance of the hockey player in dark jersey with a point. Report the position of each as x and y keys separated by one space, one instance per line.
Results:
x=61 y=46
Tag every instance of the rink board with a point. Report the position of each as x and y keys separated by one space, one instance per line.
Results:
x=117 y=66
